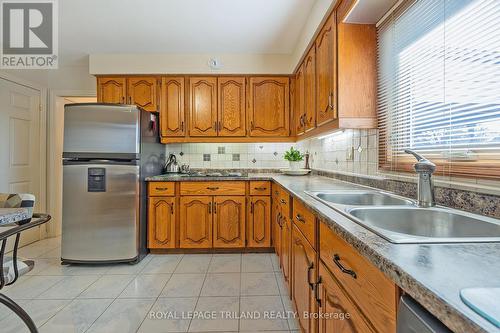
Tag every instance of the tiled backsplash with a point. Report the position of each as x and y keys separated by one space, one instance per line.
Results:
x=353 y=152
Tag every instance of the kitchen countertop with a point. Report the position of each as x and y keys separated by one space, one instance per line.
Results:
x=433 y=274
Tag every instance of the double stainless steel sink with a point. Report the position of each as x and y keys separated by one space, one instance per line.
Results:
x=399 y=220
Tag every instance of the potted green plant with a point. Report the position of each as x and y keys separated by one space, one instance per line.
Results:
x=295 y=157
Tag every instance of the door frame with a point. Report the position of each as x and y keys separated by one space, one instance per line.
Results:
x=42 y=200
x=54 y=228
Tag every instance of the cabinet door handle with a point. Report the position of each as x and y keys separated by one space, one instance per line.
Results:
x=260 y=188
x=336 y=260
x=299 y=218
x=278 y=219
x=251 y=208
x=130 y=100
x=220 y=126
x=283 y=201
x=214 y=188
x=251 y=125
x=182 y=125
x=215 y=207
x=123 y=99
x=330 y=101
x=309 y=270
x=209 y=208
x=316 y=292
x=172 y=209
x=215 y=126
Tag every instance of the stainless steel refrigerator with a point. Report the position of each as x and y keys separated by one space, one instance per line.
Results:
x=108 y=151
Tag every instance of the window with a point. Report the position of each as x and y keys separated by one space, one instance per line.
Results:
x=439 y=86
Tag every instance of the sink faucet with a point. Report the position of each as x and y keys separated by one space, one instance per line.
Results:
x=424 y=168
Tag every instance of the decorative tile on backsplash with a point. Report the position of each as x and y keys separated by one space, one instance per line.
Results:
x=236 y=157
x=221 y=150
x=206 y=157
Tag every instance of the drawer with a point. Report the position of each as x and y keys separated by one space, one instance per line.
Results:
x=260 y=187
x=305 y=221
x=161 y=189
x=213 y=188
x=370 y=289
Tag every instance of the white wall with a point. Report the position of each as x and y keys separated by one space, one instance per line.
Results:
x=188 y=63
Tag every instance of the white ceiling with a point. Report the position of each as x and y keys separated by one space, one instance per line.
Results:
x=179 y=26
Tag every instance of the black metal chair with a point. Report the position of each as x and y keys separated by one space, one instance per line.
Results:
x=12 y=267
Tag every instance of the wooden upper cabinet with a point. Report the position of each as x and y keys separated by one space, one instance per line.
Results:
x=229 y=221
x=326 y=62
x=203 y=106
x=304 y=267
x=172 y=107
x=299 y=101
x=231 y=106
x=111 y=90
x=161 y=222
x=259 y=222
x=142 y=91
x=310 y=89
x=334 y=303
x=195 y=222
x=268 y=106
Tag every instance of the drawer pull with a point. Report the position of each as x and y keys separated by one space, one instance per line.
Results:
x=283 y=201
x=309 y=270
x=299 y=218
x=212 y=188
x=161 y=188
x=336 y=260
x=260 y=188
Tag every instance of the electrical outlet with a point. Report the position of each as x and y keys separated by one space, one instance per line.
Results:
x=350 y=154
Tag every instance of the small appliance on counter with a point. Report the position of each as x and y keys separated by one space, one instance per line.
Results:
x=108 y=151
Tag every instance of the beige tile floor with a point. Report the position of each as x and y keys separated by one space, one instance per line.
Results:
x=121 y=298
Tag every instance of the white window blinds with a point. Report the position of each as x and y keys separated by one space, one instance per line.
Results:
x=439 y=81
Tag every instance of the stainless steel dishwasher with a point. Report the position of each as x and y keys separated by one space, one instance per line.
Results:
x=413 y=318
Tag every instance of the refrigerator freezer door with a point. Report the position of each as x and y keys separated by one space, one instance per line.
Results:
x=101 y=128
x=100 y=212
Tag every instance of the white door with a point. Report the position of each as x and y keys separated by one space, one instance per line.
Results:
x=20 y=167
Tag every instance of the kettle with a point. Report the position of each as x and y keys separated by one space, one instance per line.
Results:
x=171 y=166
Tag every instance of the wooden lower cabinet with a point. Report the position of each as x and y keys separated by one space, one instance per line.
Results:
x=195 y=222
x=336 y=311
x=259 y=222
x=304 y=268
x=229 y=221
x=161 y=222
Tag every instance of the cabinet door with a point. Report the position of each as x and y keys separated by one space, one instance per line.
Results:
x=203 y=106
x=310 y=90
x=111 y=90
x=286 y=248
x=142 y=91
x=161 y=222
x=172 y=107
x=195 y=222
x=304 y=266
x=231 y=98
x=276 y=226
x=268 y=106
x=229 y=221
x=259 y=222
x=326 y=63
x=299 y=101
x=337 y=312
